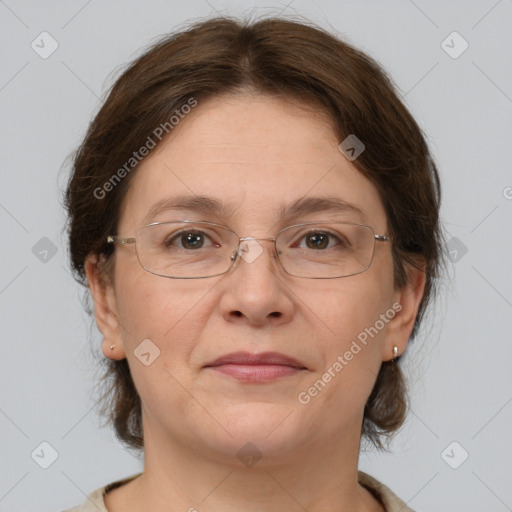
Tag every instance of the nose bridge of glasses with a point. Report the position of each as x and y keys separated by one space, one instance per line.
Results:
x=247 y=238
x=249 y=249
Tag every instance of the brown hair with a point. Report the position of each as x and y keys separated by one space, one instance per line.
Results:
x=270 y=56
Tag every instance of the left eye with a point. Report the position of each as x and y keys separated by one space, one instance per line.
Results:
x=319 y=240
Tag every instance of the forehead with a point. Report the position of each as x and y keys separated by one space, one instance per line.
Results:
x=257 y=155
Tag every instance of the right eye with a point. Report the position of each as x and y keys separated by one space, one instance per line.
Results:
x=189 y=240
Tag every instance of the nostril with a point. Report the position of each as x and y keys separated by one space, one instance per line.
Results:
x=276 y=314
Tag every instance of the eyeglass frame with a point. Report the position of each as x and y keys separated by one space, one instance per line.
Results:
x=233 y=257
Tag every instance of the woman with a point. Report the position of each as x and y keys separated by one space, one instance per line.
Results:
x=255 y=213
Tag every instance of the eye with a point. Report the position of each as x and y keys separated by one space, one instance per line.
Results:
x=318 y=240
x=190 y=240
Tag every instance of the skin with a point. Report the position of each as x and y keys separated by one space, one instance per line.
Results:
x=256 y=153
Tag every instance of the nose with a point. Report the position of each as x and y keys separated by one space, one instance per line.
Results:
x=255 y=289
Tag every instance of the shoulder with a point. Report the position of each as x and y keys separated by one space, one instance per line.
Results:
x=95 y=500
x=390 y=501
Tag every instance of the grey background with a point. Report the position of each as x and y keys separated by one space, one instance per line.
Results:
x=459 y=370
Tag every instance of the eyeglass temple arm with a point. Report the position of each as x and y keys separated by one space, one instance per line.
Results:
x=120 y=240
x=383 y=238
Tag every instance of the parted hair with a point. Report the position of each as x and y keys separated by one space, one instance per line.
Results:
x=280 y=57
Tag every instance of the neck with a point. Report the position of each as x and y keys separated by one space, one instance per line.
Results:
x=317 y=476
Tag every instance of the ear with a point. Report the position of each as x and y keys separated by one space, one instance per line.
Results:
x=407 y=301
x=105 y=309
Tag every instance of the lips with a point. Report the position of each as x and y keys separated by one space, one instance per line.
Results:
x=265 y=358
x=256 y=368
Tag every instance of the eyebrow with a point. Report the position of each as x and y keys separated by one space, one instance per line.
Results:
x=213 y=206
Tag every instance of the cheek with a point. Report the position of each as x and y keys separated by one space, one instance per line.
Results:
x=149 y=304
x=347 y=308
x=162 y=318
x=350 y=335
x=168 y=312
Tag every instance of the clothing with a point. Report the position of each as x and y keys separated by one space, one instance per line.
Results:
x=390 y=502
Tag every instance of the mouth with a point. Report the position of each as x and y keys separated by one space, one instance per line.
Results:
x=264 y=367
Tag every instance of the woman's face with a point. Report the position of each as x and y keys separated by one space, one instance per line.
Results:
x=256 y=155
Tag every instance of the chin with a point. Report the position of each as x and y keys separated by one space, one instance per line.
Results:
x=268 y=430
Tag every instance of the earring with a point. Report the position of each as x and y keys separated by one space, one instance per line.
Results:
x=112 y=347
x=395 y=352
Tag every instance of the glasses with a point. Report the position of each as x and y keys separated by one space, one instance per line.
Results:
x=194 y=250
